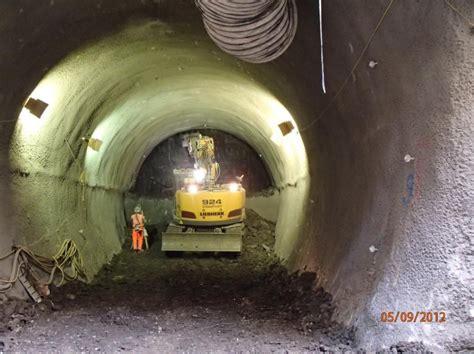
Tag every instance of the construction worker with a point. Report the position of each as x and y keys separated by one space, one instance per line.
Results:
x=138 y=225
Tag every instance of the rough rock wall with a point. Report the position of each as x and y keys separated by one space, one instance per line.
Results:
x=49 y=210
x=415 y=101
x=235 y=157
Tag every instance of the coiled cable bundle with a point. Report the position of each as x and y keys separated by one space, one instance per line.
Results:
x=257 y=31
x=67 y=263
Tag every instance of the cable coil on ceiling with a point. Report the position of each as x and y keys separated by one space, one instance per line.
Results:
x=257 y=31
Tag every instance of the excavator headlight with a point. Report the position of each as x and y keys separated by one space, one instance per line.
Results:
x=199 y=175
x=234 y=187
x=192 y=188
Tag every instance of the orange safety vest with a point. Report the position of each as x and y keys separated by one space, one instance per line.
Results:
x=138 y=222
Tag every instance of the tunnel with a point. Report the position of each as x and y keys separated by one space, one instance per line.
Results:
x=154 y=185
x=372 y=190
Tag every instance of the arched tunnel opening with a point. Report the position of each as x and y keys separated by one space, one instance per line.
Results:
x=155 y=178
x=359 y=216
x=155 y=185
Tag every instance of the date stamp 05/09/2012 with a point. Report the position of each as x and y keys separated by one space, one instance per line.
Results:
x=413 y=316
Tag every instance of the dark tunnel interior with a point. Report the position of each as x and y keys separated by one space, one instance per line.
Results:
x=236 y=158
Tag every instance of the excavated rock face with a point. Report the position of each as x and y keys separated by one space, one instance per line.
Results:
x=235 y=158
x=383 y=231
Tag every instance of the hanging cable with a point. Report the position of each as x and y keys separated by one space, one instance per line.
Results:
x=323 y=83
x=354 y=67
x=254 y=31
x=463 y=16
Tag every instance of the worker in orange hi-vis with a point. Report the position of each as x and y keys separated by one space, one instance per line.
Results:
x=138 y=225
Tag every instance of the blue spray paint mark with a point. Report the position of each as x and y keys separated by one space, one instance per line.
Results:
x=410 y=190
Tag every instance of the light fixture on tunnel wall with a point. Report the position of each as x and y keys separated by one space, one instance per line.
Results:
x=93 y=143
x=286 y=127
x=35 y=106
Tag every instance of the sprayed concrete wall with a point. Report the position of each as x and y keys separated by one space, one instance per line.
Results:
x=146 y=62
x=152 y=91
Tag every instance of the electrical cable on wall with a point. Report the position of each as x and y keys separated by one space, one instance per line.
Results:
x=463 y=16
x=354 y=67
x=323 y=83
x=254 y=31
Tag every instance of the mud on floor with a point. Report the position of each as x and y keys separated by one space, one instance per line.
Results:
x=148 y=303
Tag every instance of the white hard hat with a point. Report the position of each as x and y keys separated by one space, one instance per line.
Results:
x=138 y=208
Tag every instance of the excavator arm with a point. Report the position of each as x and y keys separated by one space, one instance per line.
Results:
x=201 y=148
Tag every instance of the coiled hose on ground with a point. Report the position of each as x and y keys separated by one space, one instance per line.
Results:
x=256 y=31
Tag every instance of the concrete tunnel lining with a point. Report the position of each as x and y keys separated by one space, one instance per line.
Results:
x=133 y=111
x=417 y=101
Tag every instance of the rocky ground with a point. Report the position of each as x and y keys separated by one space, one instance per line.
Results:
x=194 y=303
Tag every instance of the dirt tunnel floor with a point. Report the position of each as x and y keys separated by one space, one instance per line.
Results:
x=148 y=303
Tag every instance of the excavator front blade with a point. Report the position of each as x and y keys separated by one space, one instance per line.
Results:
x=222 y=239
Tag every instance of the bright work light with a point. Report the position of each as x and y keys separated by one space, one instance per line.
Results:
x=199 y=175
x=192 y=188
x=233 y=187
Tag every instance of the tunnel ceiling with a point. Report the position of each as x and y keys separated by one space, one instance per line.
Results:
x=136 y=88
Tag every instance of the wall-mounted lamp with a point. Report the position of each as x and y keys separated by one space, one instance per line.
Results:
x=35 y=106
x=93 y=143
x=286 y=127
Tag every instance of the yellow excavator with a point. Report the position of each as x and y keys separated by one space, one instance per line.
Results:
x=208 y=216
